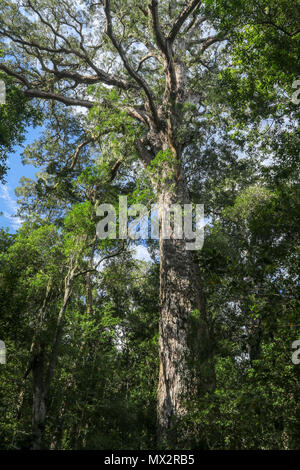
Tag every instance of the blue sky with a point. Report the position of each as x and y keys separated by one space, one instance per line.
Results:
x=8 y=204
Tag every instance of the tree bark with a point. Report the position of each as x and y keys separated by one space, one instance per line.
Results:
x=41 y=378
x=39 y=402
x=180 y=294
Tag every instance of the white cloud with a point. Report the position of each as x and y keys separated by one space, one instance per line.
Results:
x=141 y=253
x=10 y=207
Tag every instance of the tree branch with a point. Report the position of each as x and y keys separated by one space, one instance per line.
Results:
x=146 y=57
x=78 y=150
x=101 y=75
x=182 y=18
x=207 y=42
x=160 y=38
x=139 y=80
x=145 y=155
x=35 y=93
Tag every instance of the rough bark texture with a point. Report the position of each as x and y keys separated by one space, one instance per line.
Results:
x=178 y=299
x=179 y=296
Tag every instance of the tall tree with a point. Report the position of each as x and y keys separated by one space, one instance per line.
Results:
x=152 y=57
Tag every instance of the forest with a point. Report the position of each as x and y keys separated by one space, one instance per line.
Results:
x=129 y=341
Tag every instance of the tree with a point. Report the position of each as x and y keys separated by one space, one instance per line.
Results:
x=154 y=80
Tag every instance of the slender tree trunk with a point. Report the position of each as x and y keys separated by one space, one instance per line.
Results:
x=39 y=402
x=41 y=378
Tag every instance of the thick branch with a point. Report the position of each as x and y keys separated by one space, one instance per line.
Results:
x=207 y=42
x=35 y=93
x=137 y=114
x=166 y=48
x=144 y=154
x=139 y=80
x=160 y=38
x=182 y=18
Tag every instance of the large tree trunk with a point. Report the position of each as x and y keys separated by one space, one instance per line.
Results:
x=179 y=295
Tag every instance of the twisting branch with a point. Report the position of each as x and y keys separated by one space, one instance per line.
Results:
x=138 y=114
x=195 y=23
x=212 y=40
x=143 y=59
x=160 y=38
x=207 y=42
x=78 y=150
x=13 y=73
x=34 y=92
x=139 y=80
x=66 y=49
x=106 y=257
x=269 y=22
x=192 y=5
x=114 y=170
x=165 y=47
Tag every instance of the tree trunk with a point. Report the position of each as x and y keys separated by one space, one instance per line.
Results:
x=41 y=378
x=179 y=296
x=39 y=403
